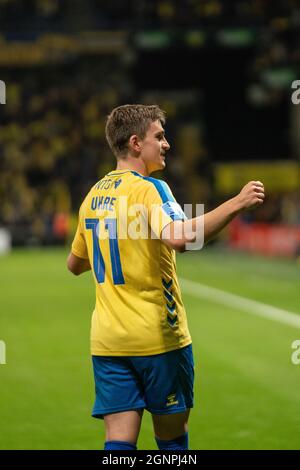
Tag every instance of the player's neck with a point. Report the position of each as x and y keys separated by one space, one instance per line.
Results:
x=133 y=164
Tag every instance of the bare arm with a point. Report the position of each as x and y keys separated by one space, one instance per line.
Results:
x=251 y=196
x=77 y=265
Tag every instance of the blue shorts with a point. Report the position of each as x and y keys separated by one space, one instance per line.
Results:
x=162 y=383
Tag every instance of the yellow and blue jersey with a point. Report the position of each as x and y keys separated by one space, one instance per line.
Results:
x=139 y=310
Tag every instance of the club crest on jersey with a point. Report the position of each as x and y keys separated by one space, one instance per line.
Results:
x=117 y=183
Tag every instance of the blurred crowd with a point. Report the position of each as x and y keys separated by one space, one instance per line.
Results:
x=53 y=145
x=52 y=141
x=70 y=14
x=53 y=148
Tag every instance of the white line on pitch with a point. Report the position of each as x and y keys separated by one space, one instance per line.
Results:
x=242 y=303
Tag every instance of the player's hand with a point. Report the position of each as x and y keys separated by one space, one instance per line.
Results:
x=251 y=195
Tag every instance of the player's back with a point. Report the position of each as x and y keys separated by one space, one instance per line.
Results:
x=138 y=309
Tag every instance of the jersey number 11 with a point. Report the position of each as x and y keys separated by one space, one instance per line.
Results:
x=98 y=261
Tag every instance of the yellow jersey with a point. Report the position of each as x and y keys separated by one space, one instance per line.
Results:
x=139 y=310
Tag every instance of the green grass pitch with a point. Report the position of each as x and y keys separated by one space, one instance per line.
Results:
x=247 y=391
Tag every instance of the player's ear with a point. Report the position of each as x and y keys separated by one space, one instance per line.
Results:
x=135 y=143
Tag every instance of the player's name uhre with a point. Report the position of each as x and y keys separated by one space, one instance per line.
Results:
x=101 y=204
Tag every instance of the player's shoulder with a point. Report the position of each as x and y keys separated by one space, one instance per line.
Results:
x=155 y=186
x=160 y=187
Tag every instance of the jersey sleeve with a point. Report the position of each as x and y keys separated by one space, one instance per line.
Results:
x=161 y=206
x=79 y=247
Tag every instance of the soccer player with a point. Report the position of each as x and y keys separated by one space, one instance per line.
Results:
x=129 y=229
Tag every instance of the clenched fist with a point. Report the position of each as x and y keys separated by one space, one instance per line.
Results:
x=251 y=195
